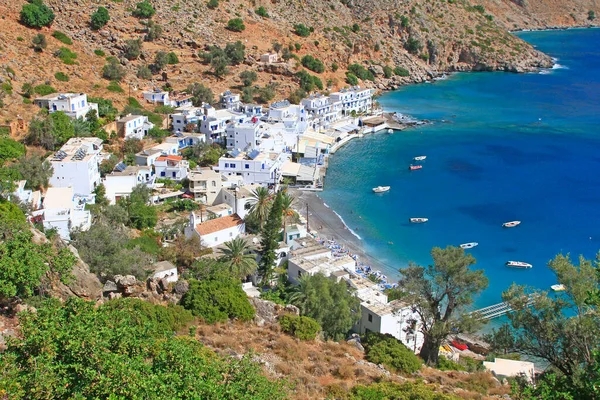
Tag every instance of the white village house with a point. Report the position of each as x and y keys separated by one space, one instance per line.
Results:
x=205 y=185
x=123 y=179
x=171 y=99
x=165 y=270
x=134 y=126
x=255 y=167
x=62 y=211
x=148 y=157
x=76 y=165
x=171 y=167
x=75 y=105
x=215 y=231
x=239 y=198
x=354 y=99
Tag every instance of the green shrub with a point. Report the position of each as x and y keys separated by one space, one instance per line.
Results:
x=153 y=31
x=401 y=71
x=351 y=79
x=44 y=90
x=212 y=4
x=236 y=25
x=355 y=28
x=302 y=30
x=132 y=49
x=335 y=67
x=172 y=58
x=144 y=10
x=39 y=42
x=591 y=15
x=413 y=46
x=114 y=87
x=61 y=76
x=132 y=102
x=66 y=55
x=248 y=77
x=261 y=11
x=398 y=391
x=404 y=21
x=144 y=72
x=99 y=52
x=389 y=351
x=445 y=364
x=10 y=150
x=217 y=299
x=113 y=70
x=61 y=37
x=304 y=328
x=314 y=64
x=361 y=72
x=308 y=82
x=36 y=15
x=99 y=18
x=387 y=71
x=479 y=8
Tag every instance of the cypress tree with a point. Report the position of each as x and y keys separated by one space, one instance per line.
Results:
x=270 y=240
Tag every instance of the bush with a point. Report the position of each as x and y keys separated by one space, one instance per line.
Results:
x=261 y=11
x=61 y=76
x=114 y=87
x=266 y=93
x=153 y=31
x=36 y=15
x=387 y=71
x=591 y=15
x=248 y=77
x=304 y=328
x=217 y=299
x=144 y=10
x=132 y=49
x=355 y=28
x=235 y=52
x=99 y=52
x=413 y=46
x=39 y=42
x=144 y=72
x=392 y=390
x=308 y=82
x=236 y=25
x=302 y=30
x=61 y=37
x=99 y=18
x=44 y=90
x=67 y=56
x=212 y=4
x=172 y=58
x=389 y=351
x=361 y=72
x=314 y=64
x=335 y=67
x=401 y=71
x=351 y=79
x=113 y=70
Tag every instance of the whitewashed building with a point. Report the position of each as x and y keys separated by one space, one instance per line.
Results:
x=354 y=99
x=75 y=105
x=148 y=157
x=214 y=122
x=76 y=165
x=186 y=139
x=239 y=198
x=134 y=126
x=62 y=211
x=171 y=99
x=27 y=196
x=255 y=167
x=186 y=116
x=293 y=116
x=323 y=110
x=120 y=183
x=230 y=101
x=269 y=58
x=171 y=167
x=245 y=136
x=205 y=185
x=299 y=266
x=215 y=231
x=165 y=270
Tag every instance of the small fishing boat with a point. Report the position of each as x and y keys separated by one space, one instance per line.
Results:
x=415 y=167
x=418 y=220
x=510 y=224
x=420 y=158
x=518 y=264
x=469 y=245
x=390 y=131
x=381 y=189
x=558 y=287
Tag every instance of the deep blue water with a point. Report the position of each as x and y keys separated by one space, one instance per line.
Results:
x=501 y=147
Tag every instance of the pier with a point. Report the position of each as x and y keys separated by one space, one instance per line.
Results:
x=496 y=310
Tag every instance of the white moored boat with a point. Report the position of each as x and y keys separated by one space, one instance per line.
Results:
x=418 y=220
x=558 y=287
x=420 y=158
x=518 y=264
x=390 y=131
x=510 y=224
x=469 y=245
x=381 y=189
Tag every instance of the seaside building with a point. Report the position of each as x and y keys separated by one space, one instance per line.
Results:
x=245 y=136
x=215 y=231
x=75 y=105
x=293 y=117
x=254 y=167
x=205 y=185
x=214 y=122
x=76 y=165
x=299 y=266
x=323 y=110
x=239 y=198
x=502 y=367
x=355 y=100
x=171 y=167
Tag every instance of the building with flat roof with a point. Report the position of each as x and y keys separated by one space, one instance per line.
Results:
x=75 y=105
x=239 y=198
x=63 y=212
x=254 y=167
x=171 y=167
x=502 y=367
x=134 y=126
x=76 y=165
x=301 y=266
x=123 y=179
x=205 y=185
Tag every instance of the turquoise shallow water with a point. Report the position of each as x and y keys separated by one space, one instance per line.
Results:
x=501 y=147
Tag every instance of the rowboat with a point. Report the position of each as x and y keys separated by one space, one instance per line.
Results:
x=418 y=220
x=558 y=287
x=510 y=224
x=414 y=167
x=381 y=189
x=420 y=158
x=469 y=245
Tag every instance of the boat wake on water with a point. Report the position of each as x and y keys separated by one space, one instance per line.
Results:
x=344 y=222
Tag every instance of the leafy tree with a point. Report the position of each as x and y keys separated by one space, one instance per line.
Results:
x=219 y=66
x=591 y=15
x=36 y=15
x=329 y=302
x=440 y=293
x=172 y=58
x=153 y=31
x=113 y=70
x=248 y=94
x=238 y=259
x=36 y=171
x=201 y=94
x=144 y=72
x=304 y=328
x=413 y=46
x=287 y=211
x=62 y=127
x=236 y=25
x=144 y=10
x=100 y=18
x=248 y=77
x=161 y=59
x=563 y=330
x=266 y=93
x=235 y=52
x=39 y=42
x=296 y=96
x=389 y=351
x=361 y=72
x=387 y=71
x=23 y=263
x=81 y=128
x=351 y=79
x=41 y=133
x=260 y=204
x=270 y=240
x=132 y=49
x=314 y=64
x=308 y=82
x=108 y=165
x=212 y=4
x=501 y=340
x=106 y=109
x=188 y=250
x=401 y=71
x=261 y=11
x=217 y=299
x=27 y=90
x=10 y=149
x=10 y=215
x=302 y=30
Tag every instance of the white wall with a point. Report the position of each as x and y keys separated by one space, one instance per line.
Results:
x=225 y=235
x=83 y=175
x=170 y=274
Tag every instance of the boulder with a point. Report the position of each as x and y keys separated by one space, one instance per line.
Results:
x=354 y=342
x=125 y=281
x=265 y=310
x=109 y=286
x=376 y=70
x=181 y=287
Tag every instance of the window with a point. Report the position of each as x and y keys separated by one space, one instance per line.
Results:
x=247 y=166
x=231 y=165
x=230 y=234
x=370 y=317
x=163 y=173
x=226 y=165
x=299 y=274
x=214 y=183
x=216 y=239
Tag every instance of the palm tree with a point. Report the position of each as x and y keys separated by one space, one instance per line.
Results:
x=287 y=210
x=260 y=202
x=238 y=259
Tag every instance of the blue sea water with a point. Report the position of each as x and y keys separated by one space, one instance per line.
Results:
x=501 y=147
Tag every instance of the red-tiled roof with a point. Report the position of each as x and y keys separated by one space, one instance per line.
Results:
x=218 y=224
x=171 y=158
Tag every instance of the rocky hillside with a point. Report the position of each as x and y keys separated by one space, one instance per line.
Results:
x=442 y=35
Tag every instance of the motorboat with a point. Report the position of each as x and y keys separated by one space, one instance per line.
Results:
x=418 y=220
x=469 y=245
x=510 y=224
x=518 y=264
x=415 y=167
x=381 y=189
x=390 y=131
x=420 y=158
x=558 y=287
